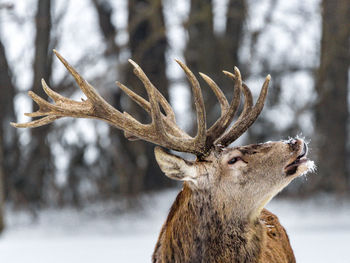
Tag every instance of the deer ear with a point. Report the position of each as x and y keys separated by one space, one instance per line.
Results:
x=175 y=167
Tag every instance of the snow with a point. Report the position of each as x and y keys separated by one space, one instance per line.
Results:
x=319 y=231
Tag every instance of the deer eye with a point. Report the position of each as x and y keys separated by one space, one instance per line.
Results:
x=233 y=160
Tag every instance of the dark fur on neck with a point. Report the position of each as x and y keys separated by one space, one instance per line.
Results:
x=196 y=231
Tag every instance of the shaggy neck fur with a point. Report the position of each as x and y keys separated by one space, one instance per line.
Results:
x=197 y=230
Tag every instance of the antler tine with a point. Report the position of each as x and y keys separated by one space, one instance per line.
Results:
x=219 y=127
x=218 y=93
x=248 y=103
x=135 y=97
x=247 y=117
x=248 y=97
x=85 y=87
x=155 y=110
x=52 y=94
x=146 y=105
x=166 y=106
x=169 y=119
x=45 y=108
x=36 y=123
x=199 y=104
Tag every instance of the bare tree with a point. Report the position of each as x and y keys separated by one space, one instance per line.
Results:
x=104 y=13
x=235 y=18
x=2 y=189
x=147 y=44
x=39 y=164
x=133 y=162
x=207 y=51
x=9 y=152
x=331 y=111
x=201 y=51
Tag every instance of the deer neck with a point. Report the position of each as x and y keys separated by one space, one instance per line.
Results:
x=197 y=228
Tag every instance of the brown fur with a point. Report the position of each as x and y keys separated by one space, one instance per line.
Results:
x=195 y=232
x=277 y=246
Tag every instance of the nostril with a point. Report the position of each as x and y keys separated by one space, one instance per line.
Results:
x=292 y=142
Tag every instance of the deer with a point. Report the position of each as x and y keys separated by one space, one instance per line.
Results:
x=219 y=215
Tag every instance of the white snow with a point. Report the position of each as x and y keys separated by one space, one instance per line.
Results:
x=319 y=231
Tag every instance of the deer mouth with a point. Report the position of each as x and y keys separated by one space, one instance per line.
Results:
x=292 y=167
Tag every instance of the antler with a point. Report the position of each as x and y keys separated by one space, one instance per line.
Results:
x=248 y=115
x=163 y=129
x=227 y=111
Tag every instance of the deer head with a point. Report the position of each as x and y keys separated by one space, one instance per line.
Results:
x=244 y=177
x=238 y=180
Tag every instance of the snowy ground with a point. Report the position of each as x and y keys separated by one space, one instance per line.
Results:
x=319 y=230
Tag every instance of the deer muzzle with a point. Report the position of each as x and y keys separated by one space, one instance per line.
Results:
x=300 y=148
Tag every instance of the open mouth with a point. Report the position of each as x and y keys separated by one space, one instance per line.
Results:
x=301 y=158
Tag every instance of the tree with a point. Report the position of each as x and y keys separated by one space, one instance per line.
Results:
x=134 y=163
x=38 y=168
x=235 y=18
x=2 y=189
x=209 y=52
x=9 y=152
x=104 y=13
x=201 y=52
x=147 y=45
x=331 y=111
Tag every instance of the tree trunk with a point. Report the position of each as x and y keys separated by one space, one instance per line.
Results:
x=331 y=111
x=2 y=189
x=148 y=44
x=39 y=164
x=135 y=162
x=9 y=151
x=211 y=53
x=108 y=30
x=202 y=53
x=235 y=18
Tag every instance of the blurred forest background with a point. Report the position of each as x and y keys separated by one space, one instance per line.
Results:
x=304 y=45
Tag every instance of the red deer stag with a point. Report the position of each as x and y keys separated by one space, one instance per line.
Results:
x=219 y=215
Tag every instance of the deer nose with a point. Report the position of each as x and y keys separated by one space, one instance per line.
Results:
x=294 y=144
